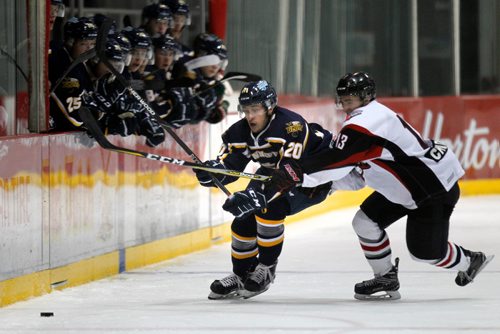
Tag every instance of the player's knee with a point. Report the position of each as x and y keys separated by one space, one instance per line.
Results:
x=365 y=227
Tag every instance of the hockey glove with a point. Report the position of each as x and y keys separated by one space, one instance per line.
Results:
x=183 y=110
x=123 y=121
x=286 y=177
x=152 y=130
x=205 y=178
x=218 y=114
x=243 y=203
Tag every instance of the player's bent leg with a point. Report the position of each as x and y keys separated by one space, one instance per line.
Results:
x=244 y=253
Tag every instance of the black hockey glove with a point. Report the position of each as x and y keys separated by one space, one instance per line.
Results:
x=218 y=114
x=123 y=121
x=205 y=178
x=243 y=203
x=286 y=177
x=206 y=102
x=183 y=110
x=152 y=130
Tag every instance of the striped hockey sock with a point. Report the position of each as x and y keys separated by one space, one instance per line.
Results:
x=454 y=259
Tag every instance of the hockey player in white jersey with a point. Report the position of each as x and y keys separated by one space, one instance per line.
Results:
x=411 y=177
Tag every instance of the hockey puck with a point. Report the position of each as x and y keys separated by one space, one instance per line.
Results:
x=46 y=314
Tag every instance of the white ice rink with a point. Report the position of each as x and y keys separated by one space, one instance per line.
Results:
x=312 y=293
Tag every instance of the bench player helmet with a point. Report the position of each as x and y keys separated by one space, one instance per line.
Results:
x=79 y=29
x=357 y=84
x=258 y=92
x=165 y=43
x=209 y=44
x=158 y=12
x=179 y=7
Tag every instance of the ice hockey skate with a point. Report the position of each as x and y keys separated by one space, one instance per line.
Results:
x=259 y=280
x=478 y=260
x=383 y=287
x=227 y=288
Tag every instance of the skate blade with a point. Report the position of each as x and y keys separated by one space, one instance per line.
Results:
x=382 y=295
x=249 y=294
x=233 y=295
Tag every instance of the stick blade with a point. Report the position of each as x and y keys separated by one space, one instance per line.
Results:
x=242 y=76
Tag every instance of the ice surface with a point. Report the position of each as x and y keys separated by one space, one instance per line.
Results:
x=312 y=293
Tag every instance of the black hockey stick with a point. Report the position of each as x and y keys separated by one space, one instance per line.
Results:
x=92 y=126
x=102 y=56
x=182 y=82
x=9 y=57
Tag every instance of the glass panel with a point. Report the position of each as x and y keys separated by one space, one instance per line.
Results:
x=7 y=68
x=435 y=43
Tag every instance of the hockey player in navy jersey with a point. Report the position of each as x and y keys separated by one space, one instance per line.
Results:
x=411 y=176
x=267 y=134
x=79 y=36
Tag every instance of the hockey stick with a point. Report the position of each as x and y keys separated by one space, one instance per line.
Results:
x=9 y=57
x=102 y=56
x=241 y=76
x=168 y=84
x=92 y=126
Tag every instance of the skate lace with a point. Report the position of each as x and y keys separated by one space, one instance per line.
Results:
x=377 y=280
x=261 y=273
x=232 y=280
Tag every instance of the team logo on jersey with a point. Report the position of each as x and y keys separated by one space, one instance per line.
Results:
x=293 y=128
x=70 y=83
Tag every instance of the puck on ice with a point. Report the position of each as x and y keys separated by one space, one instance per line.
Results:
x=46 y=314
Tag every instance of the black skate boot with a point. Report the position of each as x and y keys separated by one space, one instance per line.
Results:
x=478 y=260
x=227 y=288
x=259 y=280
x=380 y=287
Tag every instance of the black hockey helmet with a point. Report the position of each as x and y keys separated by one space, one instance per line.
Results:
x=179 y=7
x=209 y=44
x=258 y=92
x=137 y=37
x=78 y=29
x=357 y=84
x=125 y=45
x=114 y=51
x=165 y=43
x=156 y=11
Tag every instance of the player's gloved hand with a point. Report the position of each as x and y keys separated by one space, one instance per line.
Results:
x=243 y=203
x=183 y=110
x=218 y=114
x=122 y=120
x=205 y=178
x=152 y=130
x=286 y=177
x=206 y=102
